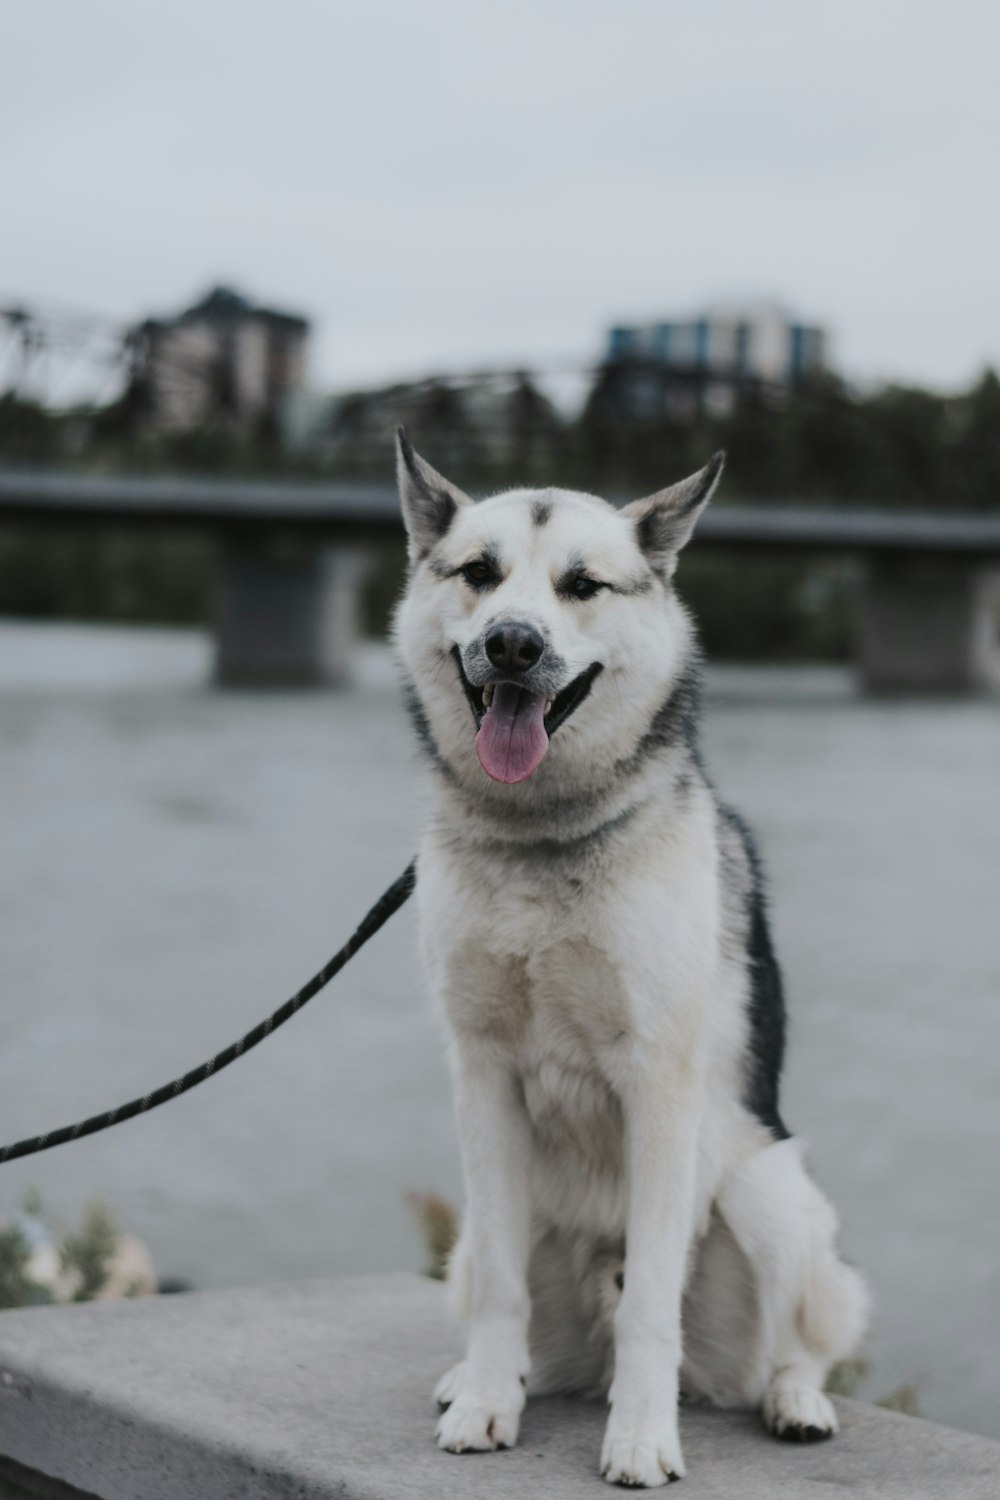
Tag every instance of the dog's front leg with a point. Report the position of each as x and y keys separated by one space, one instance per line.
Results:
x=486 y=1392
x=662 y=1112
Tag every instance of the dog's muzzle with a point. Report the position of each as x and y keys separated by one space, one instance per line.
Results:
x=516 y=719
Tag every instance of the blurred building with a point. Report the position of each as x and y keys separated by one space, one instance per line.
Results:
x=222 y=360
x=703 y=362
x=476 y=423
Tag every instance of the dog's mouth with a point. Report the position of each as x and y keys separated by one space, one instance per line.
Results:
x=515 y=724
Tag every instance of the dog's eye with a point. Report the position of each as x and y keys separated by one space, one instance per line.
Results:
x=479 y=574
x=579 y=586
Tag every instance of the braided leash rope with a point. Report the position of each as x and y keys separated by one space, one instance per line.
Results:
x=387 y=904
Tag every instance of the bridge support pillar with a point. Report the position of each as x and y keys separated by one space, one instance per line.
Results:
x=287 y=614
x=929 y=625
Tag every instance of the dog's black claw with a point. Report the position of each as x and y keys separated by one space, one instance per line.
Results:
x=793 y=1433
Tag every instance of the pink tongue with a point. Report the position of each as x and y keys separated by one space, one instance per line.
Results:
x=512 y=741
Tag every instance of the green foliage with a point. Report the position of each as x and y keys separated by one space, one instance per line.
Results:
x=32 y=1203
x=976 y=470
x=905 y=1399
x=28 y=433
x=777 y=609
x=819 y=443
x=383 y=586
x=847 y=1378
x=85 y=1256
x=16 y=1288
x=88 y=1253
x=438 y=1225
x=105 y=574
x=897 y=447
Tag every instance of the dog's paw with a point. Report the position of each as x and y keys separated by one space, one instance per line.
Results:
x=449 y=1385
x=641 y=1455
x=799 y=1413
x=477 y=1419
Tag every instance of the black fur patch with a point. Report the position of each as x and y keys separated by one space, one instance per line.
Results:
x=556 y=851
x=577 y=566
x=666 y=526
x=657 y=531
x=766 y=1050
x=490 y=555
x=423 y=731
x=435 y=508
x=649 y=530
x=541 y=511
x=674 y=723
x=445 y=510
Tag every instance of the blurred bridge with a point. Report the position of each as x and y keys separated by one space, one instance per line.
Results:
x=291 y=565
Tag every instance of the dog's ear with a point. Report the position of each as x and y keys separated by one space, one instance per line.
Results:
x=430 y=502
x=664 y=521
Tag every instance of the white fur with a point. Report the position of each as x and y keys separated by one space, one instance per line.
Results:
x=578 y=934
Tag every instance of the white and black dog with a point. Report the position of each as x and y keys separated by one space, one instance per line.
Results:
x=595 y=930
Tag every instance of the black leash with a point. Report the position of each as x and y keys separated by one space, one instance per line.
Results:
x=399 y=892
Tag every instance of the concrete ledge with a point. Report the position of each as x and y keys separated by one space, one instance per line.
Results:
x=323 y=1389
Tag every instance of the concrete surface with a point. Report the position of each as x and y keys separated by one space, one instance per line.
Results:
x=174 y=861
x=323 y=1389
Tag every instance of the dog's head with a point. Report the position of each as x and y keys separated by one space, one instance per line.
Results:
x=537 y=611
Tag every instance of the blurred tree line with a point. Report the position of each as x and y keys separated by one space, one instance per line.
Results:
x=817 y=443
x=898 y=446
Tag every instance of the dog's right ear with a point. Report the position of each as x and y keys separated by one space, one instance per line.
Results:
x=664 y=521
x=430 y=502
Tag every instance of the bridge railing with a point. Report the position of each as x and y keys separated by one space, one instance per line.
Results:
x=291 y=564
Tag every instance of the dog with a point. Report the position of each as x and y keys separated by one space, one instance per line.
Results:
x=594 y=928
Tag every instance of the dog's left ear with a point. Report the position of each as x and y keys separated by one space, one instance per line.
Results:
x=664 y=521
x=430 y=502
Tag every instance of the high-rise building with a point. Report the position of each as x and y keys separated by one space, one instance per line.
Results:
x=709 y=357
x=224 y=359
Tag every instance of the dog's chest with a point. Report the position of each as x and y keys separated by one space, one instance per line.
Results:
x=562 y=1015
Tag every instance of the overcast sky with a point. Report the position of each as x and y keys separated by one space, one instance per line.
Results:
x=443 y=183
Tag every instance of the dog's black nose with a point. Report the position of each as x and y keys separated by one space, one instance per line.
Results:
x=514 y=646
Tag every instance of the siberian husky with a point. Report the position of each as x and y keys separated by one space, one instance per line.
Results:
x=594 y=928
